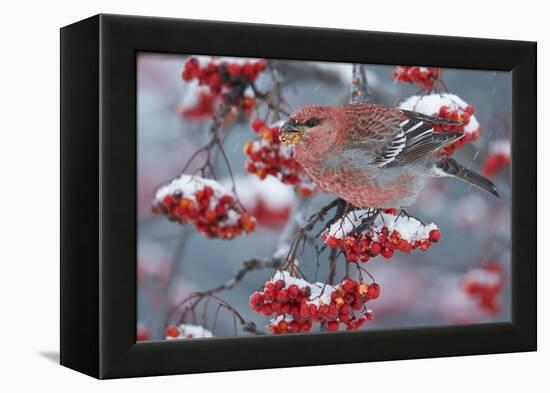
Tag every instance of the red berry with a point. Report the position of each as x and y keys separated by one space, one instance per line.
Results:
x=276 y=306
x=260 y=65
x=435 y=235
x=293 y=291
x=387 y=252
x=172 y=331
x=349 y=298
x=306 y=326
x=375 y=248
x=425 y=244
x=282 y=326
x=352 y=256
x=269 y=294
x=249 y=70
x=267 y=309
x=168 y=200
x=332 y=326
x=143 y=334
x=282 y=295
x=403 y=245
x=279 y=284
x=258 y=124
x=234 y=69
x=332 y=242
x=293 y=327
x=374 y=291
x=349 y=284
x=257 y=300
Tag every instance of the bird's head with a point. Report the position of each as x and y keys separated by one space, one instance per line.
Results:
x=314 y=125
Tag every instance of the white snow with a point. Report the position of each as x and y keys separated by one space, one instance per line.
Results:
x=471 y=210
x=501 y=146
x=191 y=331
x=409 y=228
x=431 y=103
x=251 y=190
x=204 y=60
x=482 y=276
x=320 y=292
x=189 y=184
x=191 y=95
x=286 y=317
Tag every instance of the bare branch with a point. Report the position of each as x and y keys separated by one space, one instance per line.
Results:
x=359 y=85
x=309 y=225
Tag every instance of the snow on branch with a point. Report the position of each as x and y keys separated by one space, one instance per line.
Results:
x=366 y=233
x=212 y=208
x=297 y=304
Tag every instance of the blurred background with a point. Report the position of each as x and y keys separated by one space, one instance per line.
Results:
x=420 y=289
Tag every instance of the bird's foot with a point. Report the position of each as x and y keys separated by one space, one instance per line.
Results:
x=404 y=213
x=367 y=220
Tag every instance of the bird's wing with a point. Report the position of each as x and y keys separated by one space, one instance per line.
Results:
x=396 y=137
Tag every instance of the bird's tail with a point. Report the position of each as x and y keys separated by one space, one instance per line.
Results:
x=450 y=167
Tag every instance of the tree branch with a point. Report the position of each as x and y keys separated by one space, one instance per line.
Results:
x=359 y=85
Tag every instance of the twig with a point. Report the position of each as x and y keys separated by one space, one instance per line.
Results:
x=340 y=211
x=196 y=297
x=309 y=225
x=359 y=85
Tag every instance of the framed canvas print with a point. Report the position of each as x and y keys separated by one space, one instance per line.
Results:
x=239 y=196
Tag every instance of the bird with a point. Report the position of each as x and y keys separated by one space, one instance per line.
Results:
x=371 y=155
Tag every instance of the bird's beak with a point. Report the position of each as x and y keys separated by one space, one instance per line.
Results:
x=289 y=132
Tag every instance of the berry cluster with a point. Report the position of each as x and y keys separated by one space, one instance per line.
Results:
x=210 y=207
x=448 y=106
x=204 y=107
x=219 y=75
x=224 y=79
x=461 y=116
x=484 y=285
x=267 y=156
x=423 y=77
x=184 y=331
x=499 y=157
x=297 y=304
x=383 y=235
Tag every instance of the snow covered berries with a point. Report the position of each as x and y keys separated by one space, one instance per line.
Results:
x=184 y=331
x=499 y=157
x=363 y=234
x=423 y=77
x=297 y=304
x=448 y=106
x=484 y=285
x=208 y=205
x=268 y=157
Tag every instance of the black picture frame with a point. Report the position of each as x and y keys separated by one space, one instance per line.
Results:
x=98 y=195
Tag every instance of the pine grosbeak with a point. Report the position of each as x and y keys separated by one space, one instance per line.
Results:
x=371 y=155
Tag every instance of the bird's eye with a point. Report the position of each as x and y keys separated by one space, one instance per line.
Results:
x=312 y=122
